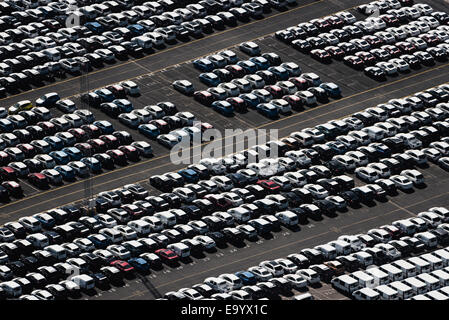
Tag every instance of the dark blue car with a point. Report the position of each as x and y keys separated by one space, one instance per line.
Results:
x=250 y=99
x=99 y=242
x=46 y=223
x=74 y=153
x=54 y=142
x=223 y=107
x=249 y=66
x=139 y=264
x=247 y=277
x=189 y=175
x=95 y=27
x=260 y=62
x=105 y=126
x=332 y=89
x=60 y=157
x=209 y=79
x=280 y=72
x=66 y=172
x=93 y=164
x=204 y=65
x=136 y=30
x=6 y=125
x=105 y=95
x=149 y=130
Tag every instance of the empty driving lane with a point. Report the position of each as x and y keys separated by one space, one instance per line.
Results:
x=304 y=11
x=285 y=242
x=142 y=170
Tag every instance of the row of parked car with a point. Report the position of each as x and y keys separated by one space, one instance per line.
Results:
x=406 y=258
x=159 y=213
x=37 y=44
x=263 y=83
x=48 y=150
x=397 y=41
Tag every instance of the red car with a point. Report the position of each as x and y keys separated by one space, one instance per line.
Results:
x=392 y=50
x=79 y=134
x=98 y=145
x=110 y=140
x=406 y=47
x=236 y=70
x=27 y=149
x=7 y=173
x=4 y=158
x=167 y=255
x=162 y=125
x=269 y=185
x=321 y=55
x=48 y=127
x=394 y=232
x=294 y=101
x=39 y=180
x=299 y=82
x=334 y=21
x=204 y=97
x=430 y=39
x=219 y=201
x=335 y=52
x=354 y=62
x=92 y=130
x=390 y=20
x=204 y=126
x=238 y=104
x=275 y=91
x=13 y=188
x=322 y=24
x=368 y=58
x=118 y=156
x=122 y=266
x=133 y=210
x=373 y=41
x=117 y=90
x=130 y=152
x=85 y=148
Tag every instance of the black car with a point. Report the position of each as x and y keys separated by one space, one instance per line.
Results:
x=239 y=180
x=218 y=237
x=193 y=211
x=442 y=236
x=375 y=73
x=158 y=203
x=350 y=197
x=302 y=45
x=364 y=194
x=326 y=206
x=350 y=263
x=162 y=183
x=172 y=199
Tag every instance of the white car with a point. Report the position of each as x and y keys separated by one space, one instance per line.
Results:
x=382 y=170
x=367 y=174
x=431 y=218
x=389 y=68
x=312 y=277
x=288 y=266
x=130 y=87
x=261 y=273
x=296 y=281
x=207 y=242
x=316 y=190
x=400 y=64
x=250 y=48
x=402 y=182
